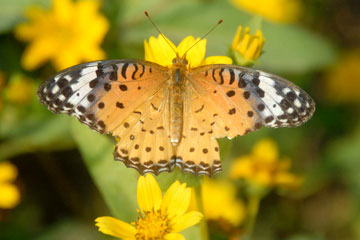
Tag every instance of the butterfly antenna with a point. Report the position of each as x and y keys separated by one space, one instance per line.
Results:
x=167 y=41
x=212 y=29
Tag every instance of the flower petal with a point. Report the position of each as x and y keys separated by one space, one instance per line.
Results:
x=96 y=53
x=266 y=151
x=149 y=56
x=174 y=236
x=87 y=15
x=275 y=10
x=63 y=10
x=253 y=49
x=185 y=44
x=242 y=167
x=115 y=227
x=8 y=172
x=196 y=54
x=237 y=37
x=176 y=200
x=65 y=26
x=38 y=52
x=66 y=59
x=160 y=51
x=148 y=193
x=217 y=60
x=187 y=220
x=288 y=180
x=9 y=196
x=222 y=193
x=29 y=30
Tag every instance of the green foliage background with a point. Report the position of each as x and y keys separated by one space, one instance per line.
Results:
x=326 y=150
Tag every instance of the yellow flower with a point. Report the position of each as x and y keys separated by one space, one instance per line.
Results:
x=67 y=34
x=222 y=193
x=247 y=47
x=9 y=194
x=19 y=90
x=161 y=51
x=343 y=80
x=160 y=217
x=263 y=167
x=285 y=11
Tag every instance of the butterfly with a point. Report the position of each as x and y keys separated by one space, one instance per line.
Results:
x=164 y=117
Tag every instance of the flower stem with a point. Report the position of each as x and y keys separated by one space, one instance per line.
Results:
x=253 y=209
x=203 y=223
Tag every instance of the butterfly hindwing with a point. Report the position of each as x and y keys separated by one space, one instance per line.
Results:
x=198 y=150
x=144 y=142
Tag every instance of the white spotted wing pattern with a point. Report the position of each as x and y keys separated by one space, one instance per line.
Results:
x=166 y=117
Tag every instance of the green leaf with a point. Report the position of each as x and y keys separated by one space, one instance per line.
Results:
x=12 y=12
x=36 y=133
x=166 y=179
x=306 y=237
x=116 y=183
x=71 y=229
x=343 y=156
x=291 y=49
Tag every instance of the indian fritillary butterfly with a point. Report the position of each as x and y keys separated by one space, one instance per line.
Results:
x=171 y=116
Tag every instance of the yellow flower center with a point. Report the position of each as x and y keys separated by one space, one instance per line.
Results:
x=152 y=226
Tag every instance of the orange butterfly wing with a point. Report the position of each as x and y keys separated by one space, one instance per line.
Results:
x=123 y=97
x=228 y=100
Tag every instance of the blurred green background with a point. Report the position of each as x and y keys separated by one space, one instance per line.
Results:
x=66 y=173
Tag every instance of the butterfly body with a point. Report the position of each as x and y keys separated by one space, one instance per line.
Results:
x=177 y=89
x=171 y=116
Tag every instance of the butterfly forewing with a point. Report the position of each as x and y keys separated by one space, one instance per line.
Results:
x=102 y=94
x=253 y=97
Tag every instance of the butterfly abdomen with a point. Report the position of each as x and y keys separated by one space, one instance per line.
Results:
x=176 y=105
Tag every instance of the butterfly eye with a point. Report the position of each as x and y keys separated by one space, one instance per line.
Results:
x=185 y=62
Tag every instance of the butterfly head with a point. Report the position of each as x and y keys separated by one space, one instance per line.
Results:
x=180 y=61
